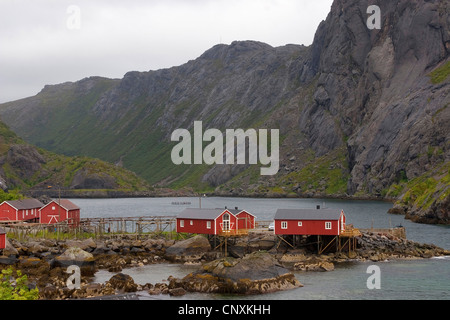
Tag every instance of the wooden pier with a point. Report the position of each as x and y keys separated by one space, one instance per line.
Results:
x=155 y=225
x=129 y=225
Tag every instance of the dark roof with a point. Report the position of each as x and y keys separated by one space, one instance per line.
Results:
x=67 y=204
x=26 y=204
x=308 y=214
x=207 y=214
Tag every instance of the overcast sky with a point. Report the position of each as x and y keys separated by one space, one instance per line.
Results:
x=54 y=41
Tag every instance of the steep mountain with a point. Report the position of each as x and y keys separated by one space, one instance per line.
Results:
x=35 y=172
x=361 y=112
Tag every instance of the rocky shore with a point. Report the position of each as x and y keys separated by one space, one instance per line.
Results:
x=256 y=264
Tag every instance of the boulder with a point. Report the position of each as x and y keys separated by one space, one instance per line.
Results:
x=188 y=250
x=123 y=283
x=86 y=245
x=79 y=257
x=10 y=250
x=75 y=254
x=36 y=248
x=177 y=292
x=256 y=273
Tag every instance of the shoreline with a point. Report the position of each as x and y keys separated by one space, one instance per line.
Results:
x=168 y=193
x=37 y=259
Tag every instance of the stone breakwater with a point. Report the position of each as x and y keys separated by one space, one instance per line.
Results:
x=255 y=265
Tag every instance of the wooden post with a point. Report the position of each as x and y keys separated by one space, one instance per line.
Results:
x=225 y=246
x=318 y=244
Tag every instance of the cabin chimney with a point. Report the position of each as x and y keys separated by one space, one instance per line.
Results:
x=236 y=208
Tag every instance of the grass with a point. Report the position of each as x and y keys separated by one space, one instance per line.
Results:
x=440 y=74
x=50 y=235
x=423 y=191
x=327 y=174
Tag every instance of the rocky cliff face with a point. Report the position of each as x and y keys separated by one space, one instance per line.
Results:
x=361 y=112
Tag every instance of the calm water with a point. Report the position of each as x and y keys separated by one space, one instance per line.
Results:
x=405 y=280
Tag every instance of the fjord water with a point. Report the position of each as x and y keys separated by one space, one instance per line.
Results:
x=405 y=280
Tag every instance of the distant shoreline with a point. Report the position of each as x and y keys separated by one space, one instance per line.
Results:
x=168 y=193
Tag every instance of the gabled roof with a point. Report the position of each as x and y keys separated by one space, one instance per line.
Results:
x=308 y=214
x=242 y=211
x=25 y=204
x=200 y=214
x=65 y=204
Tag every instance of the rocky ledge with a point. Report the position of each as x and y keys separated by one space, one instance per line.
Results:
x=256 y=273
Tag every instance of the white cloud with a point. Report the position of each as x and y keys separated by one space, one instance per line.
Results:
x=114 y=37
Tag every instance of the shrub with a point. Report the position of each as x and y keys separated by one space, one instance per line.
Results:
x=16 y=289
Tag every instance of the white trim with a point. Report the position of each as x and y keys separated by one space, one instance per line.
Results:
x=284 y=225
x=245 y=212
x=9 y=204
x=53 y=217
x=328 y=225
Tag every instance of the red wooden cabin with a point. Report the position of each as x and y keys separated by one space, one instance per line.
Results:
x=245 y=219
x=214 y=221
x=309 y=222
x=2 y=239
x=60 y=210
x=20 y=210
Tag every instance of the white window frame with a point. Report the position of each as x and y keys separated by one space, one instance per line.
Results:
x=208 y=224
x=181 y=223
x=191 y=223
x=300 y=224
x=328 y=225
x=284 y=225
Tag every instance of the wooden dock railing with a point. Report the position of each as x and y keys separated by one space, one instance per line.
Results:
x=234 y=233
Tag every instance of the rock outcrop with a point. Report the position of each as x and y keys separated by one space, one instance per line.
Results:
x=256 y=273
x=192 y=249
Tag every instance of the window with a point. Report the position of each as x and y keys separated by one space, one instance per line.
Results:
x=328 y=225
x=300 y=223
x=192 y=223
x=284 y=225
x=208 y=224
x=53 y=208
x=226 y=222
x=182 y=223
